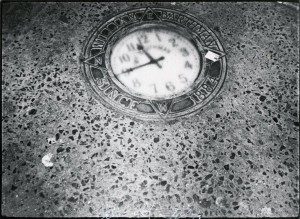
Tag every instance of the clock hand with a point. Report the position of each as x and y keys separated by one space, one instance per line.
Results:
x=141 y=47
x=154 y=61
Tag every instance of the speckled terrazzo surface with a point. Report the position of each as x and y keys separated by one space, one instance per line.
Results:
x=238 y=157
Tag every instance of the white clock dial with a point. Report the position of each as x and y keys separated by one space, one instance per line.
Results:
x=155 y=63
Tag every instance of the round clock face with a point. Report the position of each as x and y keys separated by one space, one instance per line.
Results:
x=155 y=63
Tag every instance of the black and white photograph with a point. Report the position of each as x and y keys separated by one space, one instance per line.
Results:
x=150 y=109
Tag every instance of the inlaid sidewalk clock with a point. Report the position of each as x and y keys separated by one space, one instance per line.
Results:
x=154 y=63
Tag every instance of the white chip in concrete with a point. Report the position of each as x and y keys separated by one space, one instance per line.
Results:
x=51 y=140
x=46 y=160
x=266 y=211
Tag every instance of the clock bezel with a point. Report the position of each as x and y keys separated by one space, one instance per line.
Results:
x=111 y=96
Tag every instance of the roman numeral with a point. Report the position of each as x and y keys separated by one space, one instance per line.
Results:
x=184 y=51
x=188 y=65
x=154 y=86
x=136 y=83
x=124 y=58
x=130 y=47
x=157 y=36
x=173 y=41
x=170 y=86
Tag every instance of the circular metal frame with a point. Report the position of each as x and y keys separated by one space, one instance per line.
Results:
x=95 y=59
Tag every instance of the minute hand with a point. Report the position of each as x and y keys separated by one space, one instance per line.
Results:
x=153 y=61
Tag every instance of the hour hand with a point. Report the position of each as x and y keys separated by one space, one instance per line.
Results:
x=141 y=48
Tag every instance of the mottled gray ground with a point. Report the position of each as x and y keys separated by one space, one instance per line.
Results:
x=238 y=157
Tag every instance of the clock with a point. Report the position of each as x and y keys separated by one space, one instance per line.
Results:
x=154 y=64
